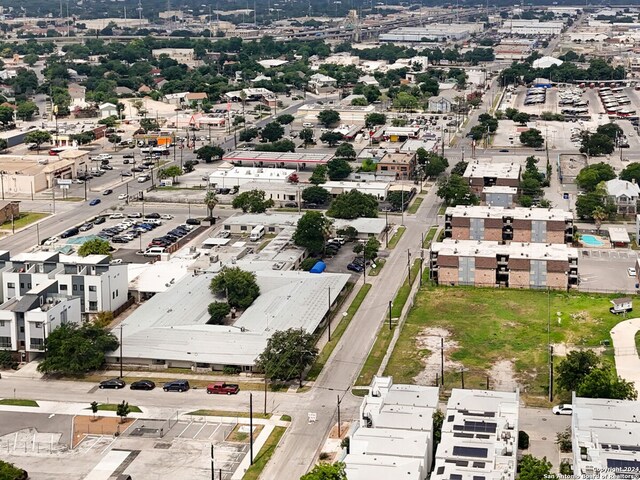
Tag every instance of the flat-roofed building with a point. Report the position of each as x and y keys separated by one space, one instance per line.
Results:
x=394 y=437
x=377 y=189
x=493 y=264
x=605 y=437
x=228 y=176
x=403 y=164
x=299 y=160
x=537 y=225
x=497 y=196
x=485 y=174
x=479 y=436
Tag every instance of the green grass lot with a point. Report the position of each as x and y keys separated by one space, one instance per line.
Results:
x=25 y=219
x=19 y=402
x=494 y=324
x=264 y=455
x=379 y=264
x=228 y=413
x=428 y=238
x=113 y=407
x=413 y=208
x=393 y=241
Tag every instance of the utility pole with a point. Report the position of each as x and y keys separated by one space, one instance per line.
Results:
x=251 y=428
x=213 y=470
x=265 y=394
x=442 y=361
x=409 y=266
x=329 y=315
x=120 y=350
x=390 y=305
x=339 y=416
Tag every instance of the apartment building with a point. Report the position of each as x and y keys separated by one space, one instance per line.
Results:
x=26 y=321
x=495 y=264
x=482 y=174
x=537 y=225
x=394 y=437
x=605 y=437
x=99 y=285
x=499 y=196
x=402 y=164
x=479 y=436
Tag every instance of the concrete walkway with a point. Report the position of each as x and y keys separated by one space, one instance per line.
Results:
x=626 y=354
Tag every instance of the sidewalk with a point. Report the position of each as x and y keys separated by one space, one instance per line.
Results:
x=626 y=354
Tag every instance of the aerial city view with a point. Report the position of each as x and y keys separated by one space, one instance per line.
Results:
x=319 y=240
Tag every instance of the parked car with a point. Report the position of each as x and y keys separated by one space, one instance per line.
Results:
x=355 y=268
x=631 y=271
x=126 y=174
x=113 y=383
x=94 y=202
x=193 y=221
x=50 y=241
x=99 y=220
x=152 y=215
x=108 y=191
x=166 y=216
x=70 y=233
x=122 y=196
x=115 y=216
x=106 y=167
x=176 y=386
x=563 y=409
x=86 y=226
x=223 y=388
x=291 y=205
x=143 y=385
x=128 y=155
x=134 y=215
x=224 y=234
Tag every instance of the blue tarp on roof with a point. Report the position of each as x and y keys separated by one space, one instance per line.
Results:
x=319 y=267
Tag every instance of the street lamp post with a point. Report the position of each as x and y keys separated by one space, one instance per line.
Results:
x=390 y=305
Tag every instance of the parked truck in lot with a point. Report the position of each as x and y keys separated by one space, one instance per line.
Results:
x=257 y=233
x=223 y=388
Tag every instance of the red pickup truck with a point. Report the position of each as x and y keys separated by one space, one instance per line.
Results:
x=223 y=388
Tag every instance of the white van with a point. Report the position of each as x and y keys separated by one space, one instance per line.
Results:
x=257 y=233
x=307 y=125
x=153 y=251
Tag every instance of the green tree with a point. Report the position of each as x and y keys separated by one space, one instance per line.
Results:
x=149 y=124
x=590 y=202
x=602 y=382
x=109 y=122
x=3 y=144
x=405 y=101
x=373 y=119
x=306 y=135
x=459 y=168
x=285 y=119
x=575 y=366
x=287 y=355
x=532 y=138
x=338 y=168
x=218 y=312
x=30 y=59
x=611 y=130
x=454 y=190
x=38 y=137
x=359 y=102
x=433 y=164
x=272 y=131
x=239 y=286
x=591 y=175
x=75 y=350
x=326 y=471
x=346 y=150
x=532 y=468
x=252 y=201
x=209 y=153
x=315 y=194
x=9 y=471
x=631 y=172
x=123 y=410
x=6 y=115
x=284 y=145
x=530 y=187
x=368 y=165
x=5 y=359
x=521 y=118
x=94 y=408
x=332 y=138
x=96 y=246
x=329 y=118
x=319 y=175
x=350 y=233
x=248 y=134
x=172 y=172
x=596 y=144
x=353 y=204
x=311 y=231
x=210 y=200
x=26 y=111
x=399 y=200
x=371 y=248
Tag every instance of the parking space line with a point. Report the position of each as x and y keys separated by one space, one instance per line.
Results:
x=185 y=429
x=198 y=432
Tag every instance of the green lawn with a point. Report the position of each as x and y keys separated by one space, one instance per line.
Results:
x=285 y=418
x=337 y=333
x=359 y=392
x=638 y=341
x=228 y=413
x=374 y=272
x=429 y=237
x=413 y=208
x=494 y=324
x=113 y=407
x=383 y=339
x=19 y=402
x=25 y=219
x=442 y=209
x=393 y=241
x=264 y=455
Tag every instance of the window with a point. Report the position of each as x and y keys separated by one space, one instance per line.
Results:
x=39 y=325
x=243 y=228
x=384 y=168
x=21 y=284
x=92 y=288
x=63 y=288
x=11 y=285
x=272 y=229
x=2 y=322
x=5 y=342
x=75 y=288
x=227 y=227
x=22 y=329
x=93 y=305
x=37 y=343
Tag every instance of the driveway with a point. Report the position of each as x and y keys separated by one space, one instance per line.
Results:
x=626 y=354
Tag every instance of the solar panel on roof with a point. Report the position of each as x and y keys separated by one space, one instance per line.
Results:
x=470 y=452
x=625 y=465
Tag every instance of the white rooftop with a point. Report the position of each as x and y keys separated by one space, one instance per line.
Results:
x=533 y=251
x=251 y=173
x=500 y=189
x=619 y=235
x=270 y=157
x=290 y=219
x=498 y=170
x=618 y=188
x=365 y=467
x=519 y=213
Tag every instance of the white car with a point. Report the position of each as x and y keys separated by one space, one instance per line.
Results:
x=115 y=216
x=166 y=216
x=563 y=409
x=122 y=196
x=631 y=271
x=224 y=234
x=51 y=241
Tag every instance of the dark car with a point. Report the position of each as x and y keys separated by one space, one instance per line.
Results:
x=108 y=191
x=106 y=167
x=152 y=215
x=176 y=233
x=119 y=239
x=126 y=174
x=70 y=233
x=176 y=386
x=355 y=267
x=143 y=385
x=291 y=205
x=128 y=155
x=113 y=383
x=94 y=202
x=99 y=220
x=193 y=221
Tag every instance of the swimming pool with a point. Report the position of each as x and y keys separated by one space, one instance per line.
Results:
x=591 y=241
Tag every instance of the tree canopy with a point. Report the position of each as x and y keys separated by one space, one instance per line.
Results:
x=338 y=168
x=596 y=144
x=532 y=468
x=239 y=286
x=346 y=150
x=287 y=355
x=631 y=172
x=208 y=153
x=96 y=246
x=373 y=119
x=218 y=312
x=316 y=194
x=454 y=190
x=326 y=471
x=329 y=118
x=252 y=201
x=311 y=231
x=532 y=138
x=353 y=204
x=272 y=131
x=75 y=350
x=591 y=175
x=332 y=138
x=432 y=163
x=319 y=175
x=575 y=366
x=9 y=471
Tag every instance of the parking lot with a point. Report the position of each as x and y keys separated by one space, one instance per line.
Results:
x=606 y=270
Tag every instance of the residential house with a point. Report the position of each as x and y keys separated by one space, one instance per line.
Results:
x=197 y=98
x=319 y=82
x=440 y=105
x=108 y=110
x=624 y=194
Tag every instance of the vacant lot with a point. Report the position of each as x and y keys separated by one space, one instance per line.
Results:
x=491 y=331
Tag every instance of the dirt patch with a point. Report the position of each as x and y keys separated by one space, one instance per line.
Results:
x=240 y=433
x=562 y=349
x=503 y=376
x=430 y=339
x=84 y=425
x=344 y=430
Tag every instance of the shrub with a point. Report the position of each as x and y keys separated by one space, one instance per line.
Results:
x=566 y=468
x=523 y=440
x=230 y=370
x=563 y=440
x=308 y=263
